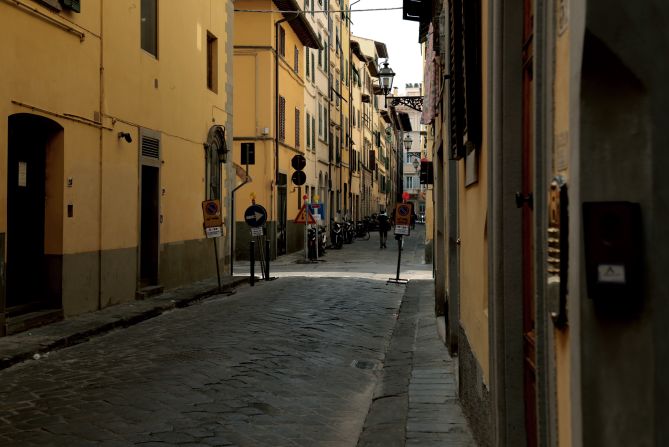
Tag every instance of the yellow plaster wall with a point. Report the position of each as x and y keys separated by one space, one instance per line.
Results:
x=81 y=233
x=159 y=94
x=54 y=73
x=254 y=104
x=253 y=29
x=473 y=234
x=120 y=179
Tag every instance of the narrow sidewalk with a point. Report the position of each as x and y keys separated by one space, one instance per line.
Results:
x=40 y=341
x=416 y=401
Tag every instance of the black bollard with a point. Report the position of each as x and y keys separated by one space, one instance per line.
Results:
x=252 y=251
x=267 y=258
x=399 y=257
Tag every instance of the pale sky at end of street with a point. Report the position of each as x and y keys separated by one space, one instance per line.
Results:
x=400 y=37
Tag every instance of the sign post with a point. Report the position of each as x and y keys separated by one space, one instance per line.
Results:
x=255 y=217
x=213 y=228
x=402 y=226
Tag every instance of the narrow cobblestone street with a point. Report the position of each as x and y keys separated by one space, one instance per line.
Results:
x=295 y=361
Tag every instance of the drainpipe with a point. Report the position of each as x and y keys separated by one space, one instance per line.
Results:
x=101 y=94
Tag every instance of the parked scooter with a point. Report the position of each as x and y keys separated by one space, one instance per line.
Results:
x=362 y=229
x=336 y=235
x=349 y=232
x=322 y=239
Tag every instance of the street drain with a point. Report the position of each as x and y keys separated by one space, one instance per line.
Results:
x=366 y=364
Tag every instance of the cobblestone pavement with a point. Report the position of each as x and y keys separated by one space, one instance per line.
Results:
x=288 y=362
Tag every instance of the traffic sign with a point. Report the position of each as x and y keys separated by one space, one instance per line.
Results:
x=255 y=216
x=211 y=211
x=402 y=218
x=299 y=178
x=317 y=210
x=298 y=162
x=302 y=216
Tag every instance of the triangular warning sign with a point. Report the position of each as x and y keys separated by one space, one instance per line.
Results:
x=301 y=216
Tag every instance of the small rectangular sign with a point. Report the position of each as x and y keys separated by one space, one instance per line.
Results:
x=256 y=231
x=23 y=174
x=611 y=273
x=213 y=232
x=402 y=229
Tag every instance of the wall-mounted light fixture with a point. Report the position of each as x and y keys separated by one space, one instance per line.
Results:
x=126 y=136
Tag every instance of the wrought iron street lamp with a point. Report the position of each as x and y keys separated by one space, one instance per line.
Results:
x=415 y=163
x=386 y=76
x=408 y=142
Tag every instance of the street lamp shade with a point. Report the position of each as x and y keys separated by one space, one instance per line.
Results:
x=408 y=142
x=415 y=163
x=386 y=75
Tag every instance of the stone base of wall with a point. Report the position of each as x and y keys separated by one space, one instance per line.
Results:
x=474 y=394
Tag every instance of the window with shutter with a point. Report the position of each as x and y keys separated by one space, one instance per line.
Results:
x=465 y=82
x=313 y=134
x=472 y=73
x=72 y=5
x=313 y=68
x=308 y=131
x=306 y=67
x=282 y=41
x=297 y=127
x=296 y=66
x=149 y=26
x=212 y=62
x=52 y=4
x=282 y=118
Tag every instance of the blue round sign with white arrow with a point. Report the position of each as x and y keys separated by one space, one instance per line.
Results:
x=255 y=216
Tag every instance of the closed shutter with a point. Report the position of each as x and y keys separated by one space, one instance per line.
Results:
x=297 y=127
x=308 y=131
x=465 y=83
x=282 y=118
x=456 y=84
x=313 y=134
x=72 y=5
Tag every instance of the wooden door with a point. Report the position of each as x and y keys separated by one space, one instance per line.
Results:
x=529 y=334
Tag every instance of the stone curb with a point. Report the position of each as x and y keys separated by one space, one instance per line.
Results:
x=37 y=342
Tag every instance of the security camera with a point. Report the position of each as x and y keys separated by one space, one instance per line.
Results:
x=126 y=136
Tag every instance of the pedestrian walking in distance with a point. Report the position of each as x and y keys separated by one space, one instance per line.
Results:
x=384 y=226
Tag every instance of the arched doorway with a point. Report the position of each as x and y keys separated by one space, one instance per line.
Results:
x=34 y=214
